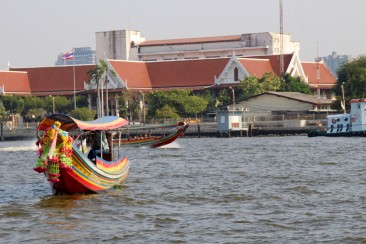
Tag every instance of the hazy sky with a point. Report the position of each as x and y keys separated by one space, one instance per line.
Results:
x=34 y=32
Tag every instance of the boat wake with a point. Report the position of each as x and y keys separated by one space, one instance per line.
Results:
x=173 y=144
x=17 y=146
x=17 y=149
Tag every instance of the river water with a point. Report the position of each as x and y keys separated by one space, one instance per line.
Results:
x=291 y=189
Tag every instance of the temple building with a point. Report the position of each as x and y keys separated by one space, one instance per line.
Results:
x=197 y=64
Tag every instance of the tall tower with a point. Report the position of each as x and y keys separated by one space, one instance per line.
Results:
x=281 y=38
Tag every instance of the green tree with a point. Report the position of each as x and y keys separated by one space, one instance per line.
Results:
x=131 y=108
x=83 y=114
x=211 y=101
x=249 y=86
x=122 y=107
x=252 y=85
x=156 y=100
x=63 y=105
x=194 y=105
x=81 y=101
x=294 y=84
x=4 y=115
x=34 y=114
x=13 y=104
x=223 y=97
x=183 y=101
x=31 y=102
x=166 y=112
x=270 y=82
x=353 y=76
x=96 y=76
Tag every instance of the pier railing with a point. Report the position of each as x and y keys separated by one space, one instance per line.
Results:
x=208 y=124
x=310 y=119
x=250 y=118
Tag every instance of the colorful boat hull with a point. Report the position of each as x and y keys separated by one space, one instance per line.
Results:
x=155 y=141
x=67 y=168
x=86 y=177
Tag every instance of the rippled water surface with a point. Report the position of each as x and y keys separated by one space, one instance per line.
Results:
x=210 y=190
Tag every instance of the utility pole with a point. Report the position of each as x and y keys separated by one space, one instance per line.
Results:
x=232 y=89
x=317 y=71
x=343 y=102
x=281 y=39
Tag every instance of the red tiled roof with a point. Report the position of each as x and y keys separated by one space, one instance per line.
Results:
x=326 y=79
x=189 y=74
x=56 y=80
x=15 y=82
x=275 y=61
x=195 y=74
x=135 y=74
x=190 y=40
x=256 y=67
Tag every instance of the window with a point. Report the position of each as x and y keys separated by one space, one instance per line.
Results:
x=222 y=120
x=236 y=74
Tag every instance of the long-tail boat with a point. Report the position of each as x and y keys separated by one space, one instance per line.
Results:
x=63 y=158
x=134 y=139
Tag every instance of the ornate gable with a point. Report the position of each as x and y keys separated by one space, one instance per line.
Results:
x=295 y=68
x=233 y=73
x=115 y=82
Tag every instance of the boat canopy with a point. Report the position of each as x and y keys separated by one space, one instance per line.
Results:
x=68 y=123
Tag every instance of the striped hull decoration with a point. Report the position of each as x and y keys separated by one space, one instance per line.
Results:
x=154 y=141
x=86 y=177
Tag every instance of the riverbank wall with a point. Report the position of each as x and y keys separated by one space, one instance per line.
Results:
x=197 y=130
x=210 y=130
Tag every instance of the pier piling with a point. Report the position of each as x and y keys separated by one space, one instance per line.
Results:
x=1 y=131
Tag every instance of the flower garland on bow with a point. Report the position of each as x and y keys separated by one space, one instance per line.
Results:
x=54 y=154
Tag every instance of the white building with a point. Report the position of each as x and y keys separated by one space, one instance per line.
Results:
x=244 y=45
x=130 y=45
x=282 y=102
x=118 y=44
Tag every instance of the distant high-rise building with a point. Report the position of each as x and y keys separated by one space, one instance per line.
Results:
x=335 y=61
x=82 y=55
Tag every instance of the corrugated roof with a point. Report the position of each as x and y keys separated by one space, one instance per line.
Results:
x=295 y=96
x=301 y=97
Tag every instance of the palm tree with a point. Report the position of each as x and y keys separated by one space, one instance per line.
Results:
x=101 y=71
x=94 y=77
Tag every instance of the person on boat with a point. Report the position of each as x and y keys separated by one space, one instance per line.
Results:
x=99 y=145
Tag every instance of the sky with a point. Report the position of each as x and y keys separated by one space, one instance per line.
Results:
x=34 y=32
